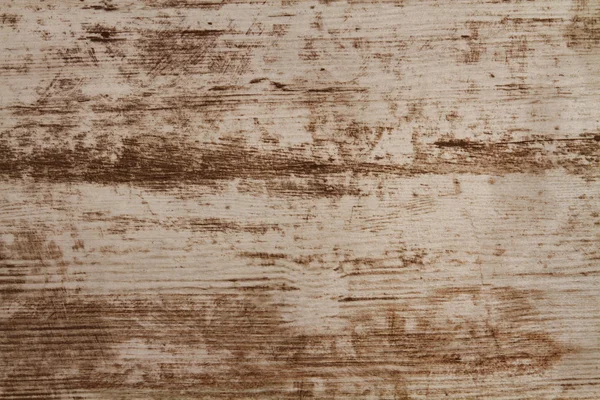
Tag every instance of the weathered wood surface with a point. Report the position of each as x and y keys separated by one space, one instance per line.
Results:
x=300 y=199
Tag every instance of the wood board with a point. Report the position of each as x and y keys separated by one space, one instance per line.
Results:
x=391 y=199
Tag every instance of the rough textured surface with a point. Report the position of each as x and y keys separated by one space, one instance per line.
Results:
x=369 y=199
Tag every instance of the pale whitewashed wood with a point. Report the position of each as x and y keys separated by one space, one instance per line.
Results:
x=299 y=199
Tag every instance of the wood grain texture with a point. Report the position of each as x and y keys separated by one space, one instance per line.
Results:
x=361 y=199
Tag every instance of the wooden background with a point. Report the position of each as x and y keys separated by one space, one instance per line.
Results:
x=369 y=199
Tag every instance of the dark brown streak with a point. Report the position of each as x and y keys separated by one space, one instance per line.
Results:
x=595 y=138
x=104 y=39
x=460 y=143
x=336 y=90
x=106 y=7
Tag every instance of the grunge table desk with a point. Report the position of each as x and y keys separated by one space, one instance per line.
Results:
x=227 y=199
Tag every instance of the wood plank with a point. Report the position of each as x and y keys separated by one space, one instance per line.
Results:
x=391 y=199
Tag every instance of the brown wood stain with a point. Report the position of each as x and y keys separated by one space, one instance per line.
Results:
x=365 y=199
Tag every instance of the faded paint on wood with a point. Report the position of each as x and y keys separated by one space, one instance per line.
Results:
x=299 y=199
